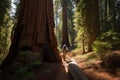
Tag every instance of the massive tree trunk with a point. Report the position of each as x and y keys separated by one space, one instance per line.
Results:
x=65 y=39
x=34 y=31
x=92 y=21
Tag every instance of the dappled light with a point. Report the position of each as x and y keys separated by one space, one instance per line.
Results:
x=60 y=40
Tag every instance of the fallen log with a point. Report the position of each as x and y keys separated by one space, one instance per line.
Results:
x=75 y=72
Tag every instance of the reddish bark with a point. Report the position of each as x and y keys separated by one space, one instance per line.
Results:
x=65 y=38
x=35 y=31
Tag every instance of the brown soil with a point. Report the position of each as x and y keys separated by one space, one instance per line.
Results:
x=94 y=73
x=58 y=71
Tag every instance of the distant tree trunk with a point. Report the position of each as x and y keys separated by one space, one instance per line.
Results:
x=71 y=30
x=34 y=31
x=118 y=19
x=106 y=26
x=92 y=22
x=101 y=11
x=65 y=39
x=83 y=44
x=114 y=17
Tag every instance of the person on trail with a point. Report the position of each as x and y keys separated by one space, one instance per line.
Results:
x=64 y=51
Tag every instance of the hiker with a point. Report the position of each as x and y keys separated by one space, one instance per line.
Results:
x=64 y=51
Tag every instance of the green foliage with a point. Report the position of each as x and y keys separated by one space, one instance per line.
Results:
x=5 y=31
x=85 y=23
x=70 y=13
x=101 y=47
x=24 y=72
x=79 y=23
x=107 y=41
x=5 y=27
x=4 y=6
x=110 y=36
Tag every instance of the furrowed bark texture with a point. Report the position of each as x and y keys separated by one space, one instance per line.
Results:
x=34 y=31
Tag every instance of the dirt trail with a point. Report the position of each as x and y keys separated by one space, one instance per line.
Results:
x=92 y=73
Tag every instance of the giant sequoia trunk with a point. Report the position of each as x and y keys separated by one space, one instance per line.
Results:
x=65 y=39
x=34 y=31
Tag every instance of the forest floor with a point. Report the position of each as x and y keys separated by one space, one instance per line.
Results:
x=58 y=71
x=47 y=71
x=90 y=69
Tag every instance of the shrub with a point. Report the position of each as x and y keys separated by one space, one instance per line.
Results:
x=24 y=72
x=107 y=41
x=111 y=61
x=101 y=47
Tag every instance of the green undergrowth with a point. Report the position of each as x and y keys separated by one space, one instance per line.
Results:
x=109 y=61
x=22 y=72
